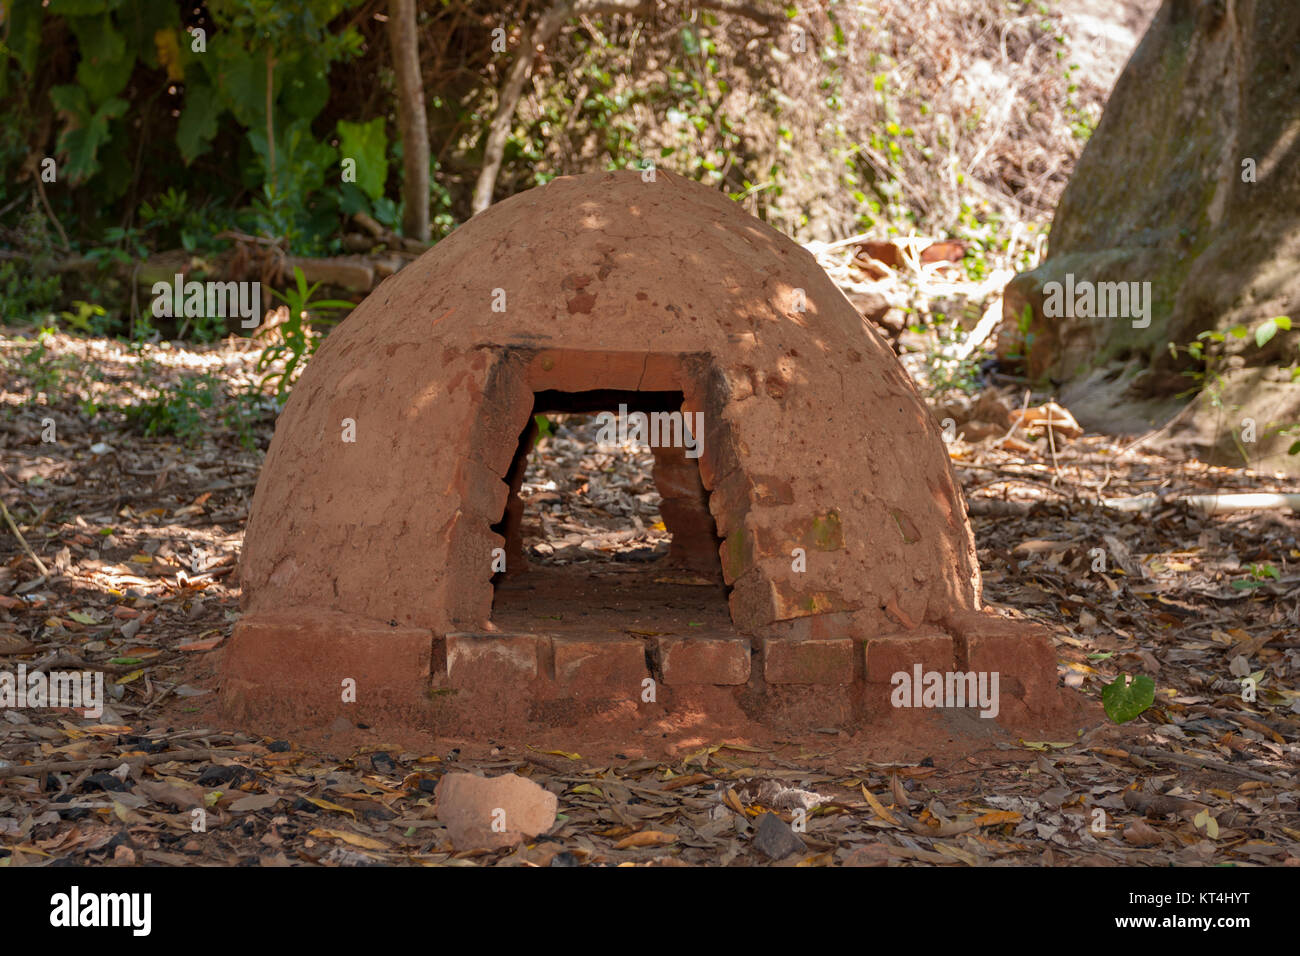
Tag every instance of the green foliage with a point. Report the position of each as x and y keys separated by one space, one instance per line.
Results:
x=296 y=340
x=44 y=373
x=48 y=377
x=85 y=130
x=119 y=245
x=442 y=220
x=943 y=370
x=367 y=145
x=176 y=411
x=179 y=410
x=173 y=219
x=544 y=428
x=1082 y=124
x=292 y=205
x=1265 y=331
x=990 y=244
x=1124 y=700
x=1025 y=323
x=1208 y=352
x=221 y=92
x=88 y=318
x=25 y=297
x=1260 y=575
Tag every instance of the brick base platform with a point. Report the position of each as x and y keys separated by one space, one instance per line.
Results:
x=615 y=663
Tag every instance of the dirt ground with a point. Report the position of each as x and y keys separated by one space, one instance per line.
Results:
x=138 y=539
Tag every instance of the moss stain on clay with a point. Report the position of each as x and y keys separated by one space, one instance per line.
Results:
x=827 y=532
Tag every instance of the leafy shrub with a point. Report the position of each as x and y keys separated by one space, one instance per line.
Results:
x=180 y=410
x=25 y=297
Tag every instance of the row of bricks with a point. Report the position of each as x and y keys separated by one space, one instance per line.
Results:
x=706 y=659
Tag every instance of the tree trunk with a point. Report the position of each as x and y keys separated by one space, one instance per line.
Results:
x=403 y=40
x=494 y=149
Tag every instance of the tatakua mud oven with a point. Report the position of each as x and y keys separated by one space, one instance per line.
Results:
x=823 y=494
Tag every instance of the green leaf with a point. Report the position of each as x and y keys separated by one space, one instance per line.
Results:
x=386 y=212
x=1283 y=322
x=104 y=65
x=352 y=200
x=367 y=144
x=198 y=122
x=241 y=80
x=305 y=85
x=84 y=132
x=142 y=26
x=1265 y=331
x=1123 y=700
x=25 y=33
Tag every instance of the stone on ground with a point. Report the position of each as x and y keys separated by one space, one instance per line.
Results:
x=493 y=812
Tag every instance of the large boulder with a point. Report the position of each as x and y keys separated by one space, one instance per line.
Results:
x=1191 y=183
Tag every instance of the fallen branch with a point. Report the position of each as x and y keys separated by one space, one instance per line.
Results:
x=1206 y=763
x=951 y=828
x=1156 y=805
x=1206 y=504
x=1138 y=443
x=9 y=520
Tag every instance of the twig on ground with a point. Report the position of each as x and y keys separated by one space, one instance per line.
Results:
x=9 y=520
x=1206 y=763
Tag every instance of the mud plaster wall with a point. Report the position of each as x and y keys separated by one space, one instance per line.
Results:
x=815 y=436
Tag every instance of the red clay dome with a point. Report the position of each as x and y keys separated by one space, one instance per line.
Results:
x=372 y=527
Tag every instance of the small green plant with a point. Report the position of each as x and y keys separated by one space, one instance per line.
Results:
x=89 y=317
x=1123 y=700
x=1025 y=324
x=173 y=219
x=241 y=412
x=176 y=410
x=43 y=371
x=1208 y=351
x=1260 y=575
x=944 y=371
x=297 y=341
x=182 y=409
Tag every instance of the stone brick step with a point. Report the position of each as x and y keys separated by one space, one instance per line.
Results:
x=596 y=665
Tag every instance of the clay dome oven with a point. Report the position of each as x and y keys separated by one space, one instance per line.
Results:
x=823 y=493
